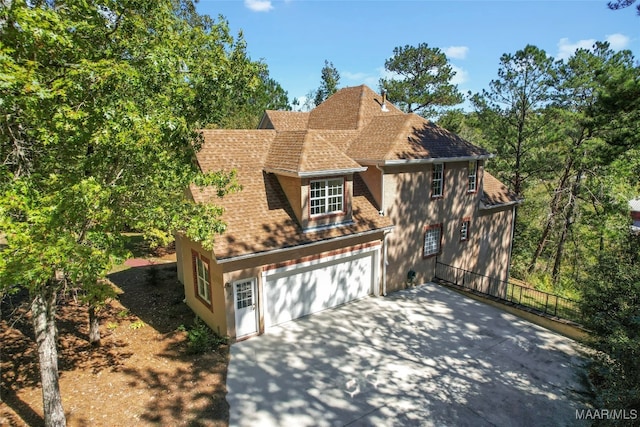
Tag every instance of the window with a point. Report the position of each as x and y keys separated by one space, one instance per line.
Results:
x=464 y=230
x=326 y=196
x=432 y=238
x=201 y=277
x=473 y=176
x=436 y=180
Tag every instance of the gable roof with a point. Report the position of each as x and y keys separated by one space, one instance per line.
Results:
x=496 y=194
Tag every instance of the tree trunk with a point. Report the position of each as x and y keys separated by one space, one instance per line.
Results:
x=43 y=308
x=555 y=207
x=94 y=327
x=568 y=222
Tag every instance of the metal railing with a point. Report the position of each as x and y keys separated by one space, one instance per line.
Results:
x=542 y=302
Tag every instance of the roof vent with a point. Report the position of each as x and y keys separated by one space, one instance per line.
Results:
x=383 y=107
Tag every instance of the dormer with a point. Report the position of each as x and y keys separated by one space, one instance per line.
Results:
x=316 y=177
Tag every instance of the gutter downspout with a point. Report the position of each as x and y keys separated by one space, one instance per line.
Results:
x=384 y=263
x=513 y=232
x=381 y=189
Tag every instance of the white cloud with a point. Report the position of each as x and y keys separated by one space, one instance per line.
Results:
x=566 y=49
x=461 y=76
x=457 y=52
x=618 y=41
x=259 y=5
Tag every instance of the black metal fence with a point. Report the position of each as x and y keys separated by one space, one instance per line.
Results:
x=543 y=302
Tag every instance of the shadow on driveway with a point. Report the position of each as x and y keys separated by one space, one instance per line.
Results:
x=423 y=356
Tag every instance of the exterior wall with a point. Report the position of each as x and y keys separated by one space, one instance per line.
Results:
x=215 y=316
x=292 y=188
x=408 y=202
x=373 y=177
x=254 y=267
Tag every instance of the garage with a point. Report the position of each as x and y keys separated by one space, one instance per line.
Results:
x=305 y=288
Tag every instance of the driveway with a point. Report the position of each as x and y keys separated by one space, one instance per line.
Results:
x=424 y=356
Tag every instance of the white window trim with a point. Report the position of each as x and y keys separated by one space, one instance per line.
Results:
x=428 y=233
x=464 y=230
x=326 y=198
x=437 y=182
x=473 y=177
x=203 y=277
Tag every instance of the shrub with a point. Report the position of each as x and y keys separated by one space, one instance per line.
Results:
x=200 y=338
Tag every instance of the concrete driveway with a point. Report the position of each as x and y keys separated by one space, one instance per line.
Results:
x=424 y=356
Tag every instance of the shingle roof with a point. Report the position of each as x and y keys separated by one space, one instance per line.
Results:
x=348 y=128
x=349 y=108
x=496 y=193
x=300 y=152
x=259 y=218
x=284 y=120
x=409 y=137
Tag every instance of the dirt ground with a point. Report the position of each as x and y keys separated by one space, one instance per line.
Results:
x=142 y=374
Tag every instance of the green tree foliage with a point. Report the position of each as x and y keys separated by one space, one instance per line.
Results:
x=511 y=114
x=621 y=4
x=611 y=309
x=330 y=79
x=99 y=105
x=422 y=80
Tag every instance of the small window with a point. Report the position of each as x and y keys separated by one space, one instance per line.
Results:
x=473 y=176
x=436 y=180
x=201 y=277
x=326 y=196
x=464 y=230
x=432 y=239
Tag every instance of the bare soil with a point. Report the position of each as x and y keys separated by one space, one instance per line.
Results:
x=142 y=374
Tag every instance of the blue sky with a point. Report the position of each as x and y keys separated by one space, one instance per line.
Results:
x=294 y=37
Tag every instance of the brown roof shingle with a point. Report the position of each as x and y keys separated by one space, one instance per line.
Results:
x=409 y=137
x=285 y=120
x=259 y=218
x=297 y=152
x=496 y=193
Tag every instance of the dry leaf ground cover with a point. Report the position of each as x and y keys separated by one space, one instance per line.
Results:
x=142 y=374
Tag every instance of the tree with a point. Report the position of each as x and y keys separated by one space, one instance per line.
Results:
x=611 y=310
x=99 y=106
x=621 y=4
x=423 y=82
x=329 y=83
x=511 y=115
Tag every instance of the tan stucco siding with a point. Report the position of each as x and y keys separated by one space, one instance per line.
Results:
x=372 y=177
x=213 y=316
x=411 y=208
x=292 y=189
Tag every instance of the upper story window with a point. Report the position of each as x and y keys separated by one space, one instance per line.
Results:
x=473 y=176
x=437 y=180
x=326 y=196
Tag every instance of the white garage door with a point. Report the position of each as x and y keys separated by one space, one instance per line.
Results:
x=303 y=289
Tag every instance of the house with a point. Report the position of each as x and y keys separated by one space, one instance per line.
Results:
x=339 y=203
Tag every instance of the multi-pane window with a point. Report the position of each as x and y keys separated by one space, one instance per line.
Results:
x=473 y=176
x=436 y=180
x=202 y=279
x=464 y=230
x=432 y=238
x=244 y=294
x=326 y=196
